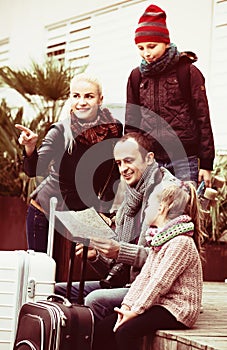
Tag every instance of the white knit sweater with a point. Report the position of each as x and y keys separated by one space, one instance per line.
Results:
x=172 y=278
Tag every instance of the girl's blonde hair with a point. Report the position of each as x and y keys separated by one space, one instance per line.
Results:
x=89 y=78
x=183 y=200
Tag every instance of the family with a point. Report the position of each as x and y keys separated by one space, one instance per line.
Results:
x=162 y=152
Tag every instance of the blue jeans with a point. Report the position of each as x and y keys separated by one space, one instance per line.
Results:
x=36 y=229
x=186 y=169
x=101 y=301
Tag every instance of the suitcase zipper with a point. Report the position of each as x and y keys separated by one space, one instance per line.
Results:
x=27 y=342
x=60 y=318
x=52 y=320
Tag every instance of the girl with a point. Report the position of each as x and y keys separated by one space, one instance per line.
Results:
x=167 y=293
x=76 y=159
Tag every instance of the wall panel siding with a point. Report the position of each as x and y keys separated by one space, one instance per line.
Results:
x=218 y=77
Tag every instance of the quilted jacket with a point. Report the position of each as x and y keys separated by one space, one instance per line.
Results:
x=176 y=126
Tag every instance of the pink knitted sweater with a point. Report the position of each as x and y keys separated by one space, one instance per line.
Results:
x=172 y=278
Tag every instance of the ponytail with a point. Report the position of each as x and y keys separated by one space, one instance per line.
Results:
x=184 y=200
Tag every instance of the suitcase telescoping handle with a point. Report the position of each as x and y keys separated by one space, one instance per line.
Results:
x=80 y=299
x=50 y=244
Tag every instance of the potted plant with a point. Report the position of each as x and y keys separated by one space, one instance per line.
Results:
x=216 y=224
x=44 y=87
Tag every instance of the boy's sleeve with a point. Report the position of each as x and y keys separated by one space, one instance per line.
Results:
x=132 y=114
x=206 y=149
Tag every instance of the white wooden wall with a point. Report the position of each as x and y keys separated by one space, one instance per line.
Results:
x=218 y=74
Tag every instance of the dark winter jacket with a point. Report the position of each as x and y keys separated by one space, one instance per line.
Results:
x=170 y=119
x=76 y=179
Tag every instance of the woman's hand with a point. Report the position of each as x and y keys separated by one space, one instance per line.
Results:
x=27 y=138
x=124 y=315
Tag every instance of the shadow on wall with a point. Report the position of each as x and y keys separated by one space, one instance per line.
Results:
x=12 y=220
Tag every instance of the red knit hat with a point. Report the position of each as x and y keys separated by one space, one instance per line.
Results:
x=152 y=26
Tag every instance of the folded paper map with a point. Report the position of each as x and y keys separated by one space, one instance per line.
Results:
x=85 y=224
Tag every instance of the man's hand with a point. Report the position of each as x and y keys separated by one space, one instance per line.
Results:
x=27 y=138
x=91 y=255
x=124 y=315
x=107 y=247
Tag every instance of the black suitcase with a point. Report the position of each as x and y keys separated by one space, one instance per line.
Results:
x=56 y=323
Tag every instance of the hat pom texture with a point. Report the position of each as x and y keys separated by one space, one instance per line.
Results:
x=152 y=26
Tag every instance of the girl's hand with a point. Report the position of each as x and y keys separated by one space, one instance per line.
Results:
x=124 y=315
x=27 y=138
x=106 y=219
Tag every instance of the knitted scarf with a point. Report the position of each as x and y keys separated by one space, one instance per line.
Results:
x=103 y=127
x=135 y=199
x=95 y=131
x=162 y=64
x=182 y=225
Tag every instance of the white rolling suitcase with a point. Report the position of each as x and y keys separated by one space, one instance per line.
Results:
x=24 y=276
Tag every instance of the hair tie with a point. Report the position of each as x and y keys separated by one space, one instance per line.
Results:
x=185 y=187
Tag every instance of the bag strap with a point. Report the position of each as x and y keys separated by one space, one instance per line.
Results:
x=136 y=80
x=183 y=77
x=102 y=190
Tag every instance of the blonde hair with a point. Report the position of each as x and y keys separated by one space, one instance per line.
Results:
x=184 y=201
x=65 y=115
x=89 y=78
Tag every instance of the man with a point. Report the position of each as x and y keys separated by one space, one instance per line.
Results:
x=144 y=180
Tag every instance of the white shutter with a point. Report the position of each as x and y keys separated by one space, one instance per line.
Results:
x=113 y=52
x=218 y=81
x=70 y=41
x=4 y=52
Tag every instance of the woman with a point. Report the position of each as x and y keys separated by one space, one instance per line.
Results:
x=75 y=158
x=168 y=291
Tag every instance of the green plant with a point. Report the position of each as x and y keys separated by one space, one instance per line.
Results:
x=45 y=87
x=13 y=181
x=216 y=220
x=219 y=211
x=10 y=152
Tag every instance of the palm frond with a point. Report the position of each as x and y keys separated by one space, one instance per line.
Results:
x=45 y=87
x=52 y=80
x=22 y=81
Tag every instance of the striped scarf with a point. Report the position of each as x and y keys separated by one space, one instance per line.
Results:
x=163 y=64
x=135 y=199
x=104 y=127
x=96 y=131
x=182 y=225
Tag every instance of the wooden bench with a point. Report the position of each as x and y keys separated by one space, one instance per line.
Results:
x=210 y=330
